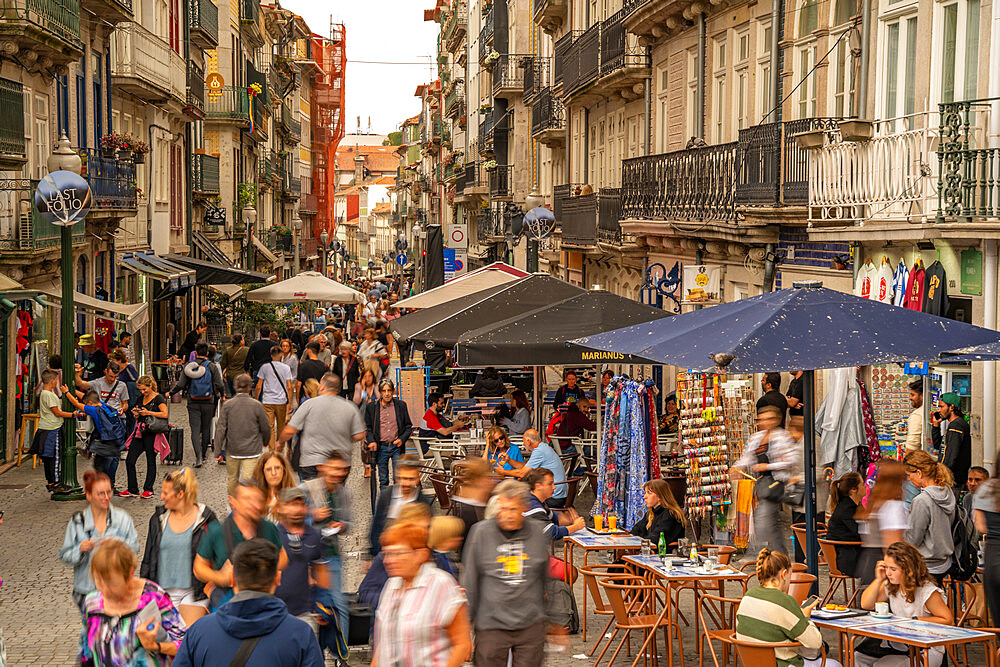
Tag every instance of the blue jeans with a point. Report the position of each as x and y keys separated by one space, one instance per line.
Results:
x=386 y=452
x=337 y=591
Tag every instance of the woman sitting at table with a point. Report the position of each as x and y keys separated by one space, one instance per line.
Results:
x=902 y=580
x=517 y=419
x=767 y=613
x=845 y=495
x=497 y=444
x=663 y=515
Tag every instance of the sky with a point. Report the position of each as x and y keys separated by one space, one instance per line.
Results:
x=378 y=30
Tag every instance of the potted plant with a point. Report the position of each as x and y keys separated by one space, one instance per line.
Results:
x=855 y=129
x=810 y=139
x=490 y=164
x=139 y=150
x=110 y=143
x=125 y=148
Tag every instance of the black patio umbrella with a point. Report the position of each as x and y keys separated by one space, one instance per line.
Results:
x=805 y=328
x=536 y=338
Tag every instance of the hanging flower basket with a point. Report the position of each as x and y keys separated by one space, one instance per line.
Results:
x=139 y=158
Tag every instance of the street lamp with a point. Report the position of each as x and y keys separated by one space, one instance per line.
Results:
x=64 y=158
x=296 y=232
x=323 y=238
x=533 y=200
x=249 y=217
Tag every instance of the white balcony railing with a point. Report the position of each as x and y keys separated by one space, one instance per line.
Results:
x=891 y=177
x=138 y=53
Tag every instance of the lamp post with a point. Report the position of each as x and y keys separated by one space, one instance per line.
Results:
x=296 y=231
x=64 y=158
x=323 y=238
x=249 y=217
x=533 y=200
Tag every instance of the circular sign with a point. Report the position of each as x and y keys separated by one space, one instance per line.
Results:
x=457 y=235
x=459 y=265
x=63 y=198
x=401 y=259
x=371 y=264
x=214 y=82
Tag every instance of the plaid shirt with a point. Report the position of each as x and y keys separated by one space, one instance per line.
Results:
x=783 y=454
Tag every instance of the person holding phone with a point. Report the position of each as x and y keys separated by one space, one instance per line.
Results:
x=128 y=620
x=767 y=613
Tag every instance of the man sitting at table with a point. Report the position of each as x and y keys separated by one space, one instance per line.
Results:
x=541 y=481
x=435 y=424
x=541 y=455
x=572 y=424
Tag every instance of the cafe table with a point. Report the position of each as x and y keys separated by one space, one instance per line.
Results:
x=590 y=540
x=918 y=635
x=683 y=572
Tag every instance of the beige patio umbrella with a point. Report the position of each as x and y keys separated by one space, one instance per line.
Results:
x=306 y=286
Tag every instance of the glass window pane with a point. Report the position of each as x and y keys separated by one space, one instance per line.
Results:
x=948 y=53
x=892 y=67
x=971 y=49
x=909 y=92
x=808 y=18
x=845 y=9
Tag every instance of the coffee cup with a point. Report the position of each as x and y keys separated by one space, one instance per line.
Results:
x=882 y=608
x=668 y=566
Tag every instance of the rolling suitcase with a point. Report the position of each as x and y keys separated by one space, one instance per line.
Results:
x=175 y=438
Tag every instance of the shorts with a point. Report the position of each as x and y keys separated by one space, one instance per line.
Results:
x=185 y=596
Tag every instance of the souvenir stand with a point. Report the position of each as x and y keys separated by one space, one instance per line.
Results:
x=716 y=420
x=628 y=454
x=890 y=398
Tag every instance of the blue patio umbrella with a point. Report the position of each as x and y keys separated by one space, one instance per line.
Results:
x=805 y=328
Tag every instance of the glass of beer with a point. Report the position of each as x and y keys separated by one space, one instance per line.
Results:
x=612 y=523
x=599 y=522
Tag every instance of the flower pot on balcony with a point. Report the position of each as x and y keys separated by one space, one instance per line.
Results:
x=124 y=155
x=810 y=139
x=139 y=158
x=108 y=153
x=857 y=130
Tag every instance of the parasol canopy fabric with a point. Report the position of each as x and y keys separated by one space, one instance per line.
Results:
x=306 y=286
x=494 y=275
x=802 y=328
x=535 y=338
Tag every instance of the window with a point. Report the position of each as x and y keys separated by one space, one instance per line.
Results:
x=898 y=70
x=742 y=105
x=808 y=17
x=692 y=94
x=843 y=11
x=664 y=110
x=765 y=103
x=720 y=110
x=744 y=42
x=959 y=49
x=843 y=83
x=806 y=95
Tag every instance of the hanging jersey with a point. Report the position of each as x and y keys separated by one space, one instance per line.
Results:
x=899 y=284
x=936 y=290
x=866 y=280
x=883 y=283
x=915 y=289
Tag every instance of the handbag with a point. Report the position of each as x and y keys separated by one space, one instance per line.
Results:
x=768 y=488
x=156 y=425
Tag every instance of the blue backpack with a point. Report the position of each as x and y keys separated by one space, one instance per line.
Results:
x=202 y=387
x=110 y=426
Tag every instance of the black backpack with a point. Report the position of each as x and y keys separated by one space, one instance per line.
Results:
x=965 y=560
x=561 y=605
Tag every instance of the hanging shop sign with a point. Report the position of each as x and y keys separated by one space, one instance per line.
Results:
x=63 y=198
x=972 y=272
x=702 y=283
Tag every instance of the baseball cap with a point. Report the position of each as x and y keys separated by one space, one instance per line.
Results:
x=292 y=493
x=951 y=399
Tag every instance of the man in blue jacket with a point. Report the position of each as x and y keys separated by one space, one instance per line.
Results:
x=254 y=624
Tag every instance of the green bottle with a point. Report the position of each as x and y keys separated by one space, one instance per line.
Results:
x=661 y=547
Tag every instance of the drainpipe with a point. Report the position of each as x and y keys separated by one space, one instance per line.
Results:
x=699 y=120
x=769 y=268
x=990 y=322
x=866 y=32
x=776 y=15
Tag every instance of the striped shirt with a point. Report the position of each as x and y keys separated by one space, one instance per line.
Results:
x=768 y=615
x=783 y=454
x=411 y=625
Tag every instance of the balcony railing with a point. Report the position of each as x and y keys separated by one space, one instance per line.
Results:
x=508 y=74
x=486 y=37
x=13 y=148
x=547 y=113
x=968 y=171
x=204 y=175
x=203 y=21
x=290 y=121
x=501 y=181
x=230 y=103
x=196 y=87
x=773 y=168
x=455 y=27
x=58 y=18
x=588 y=49
x=22 y=229
x=265 y=167
x=609 y=210
x=579 y=220
x=619 y=50
x=112 y=182
x=249 y=11
x=537 y=77
x=889 y=177
x=561 y=52
x=453 y=100
x=308 y=204
x=689 y=184
x=141 y=59
x=489 y=226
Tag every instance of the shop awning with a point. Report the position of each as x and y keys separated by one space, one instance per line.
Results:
x=9 y=284
x=232 y=292
x=484 y=278
x=208 y=249
x=213 y=273
x=175 y=278
x=537 y=337
x=441 y=326
x=130 y=311
x=264 y=250
x=306 y=286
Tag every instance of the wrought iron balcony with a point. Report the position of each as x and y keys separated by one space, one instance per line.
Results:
x=583 y=60
x=13 y=147
x=290 y=123
x=454 y=28
x=204 y=175
x=453 y=101
x=203 y=23
x=508 y=75
x=620 y=51
x=195 y=107
x=550 y=14
x=292 y=189
x=489 y=226
x=501 y=182
x=231 y=104
x=579 y=221
x=265 y=168
x=250 y=21
x=537 y=77
x=689 y=184
x=609 y=210
x=548 y=119
x=774 y=169
x=112 y=183
x=561 y=52
x=49 y=28
x=486 y=37
x=968 y=180
x=23 y=232
x=308 y=204
x=142 y=64
x=888 y=177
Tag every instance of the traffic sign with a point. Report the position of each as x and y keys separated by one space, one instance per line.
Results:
x=457 y=237
x=401 y=259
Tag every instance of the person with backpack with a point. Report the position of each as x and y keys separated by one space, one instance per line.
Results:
x=203 y=381
x=275 y=388
x=110 y=389
x=986 y=515
x=932 y=512
x=108 y=437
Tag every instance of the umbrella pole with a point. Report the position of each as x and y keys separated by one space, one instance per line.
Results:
x=535 y=381
x=811 y=547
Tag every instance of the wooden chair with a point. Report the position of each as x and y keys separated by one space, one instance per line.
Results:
x=961 y=598
x=799 y=530
x=629 y=617
x=572 y=486
x=800 y=586
x=591 y=575
x=27 y=418
x=569 y=462
x=726 y=622
x=799 y=567
x=761 y=654
x=591 y=478
x=442 y=489
x=837 y=578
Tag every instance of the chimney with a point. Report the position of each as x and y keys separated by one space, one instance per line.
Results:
x=359 y=168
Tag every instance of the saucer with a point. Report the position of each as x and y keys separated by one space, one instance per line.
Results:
x=881 y=616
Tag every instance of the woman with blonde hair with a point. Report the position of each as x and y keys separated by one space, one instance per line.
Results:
x=883 y=520
x=767 y=613
x=116 y=630
x=931 y=512
x=310 y=389
x=175 y=531
x=273 y=474
x=498 y=444
x=663 y=514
